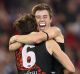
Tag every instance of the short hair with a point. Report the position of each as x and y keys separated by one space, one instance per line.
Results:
x=42 y=6
x=26 y=24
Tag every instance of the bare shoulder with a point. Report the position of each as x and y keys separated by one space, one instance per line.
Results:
x=52 y=43
x=60 y=37
x=56 y=28
x=52 y=46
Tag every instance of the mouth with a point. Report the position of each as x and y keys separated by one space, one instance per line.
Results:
x=42 y=24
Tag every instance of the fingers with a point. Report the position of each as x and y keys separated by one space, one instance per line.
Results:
x=12 y=40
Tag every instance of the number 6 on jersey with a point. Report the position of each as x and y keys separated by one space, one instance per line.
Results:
x=28 y=58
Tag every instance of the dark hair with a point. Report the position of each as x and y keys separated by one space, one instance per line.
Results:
x=42 y=6
x=26 y=24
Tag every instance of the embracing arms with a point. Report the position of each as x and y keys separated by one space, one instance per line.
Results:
x=37 y=37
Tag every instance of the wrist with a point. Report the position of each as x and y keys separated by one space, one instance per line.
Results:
x=47 y=36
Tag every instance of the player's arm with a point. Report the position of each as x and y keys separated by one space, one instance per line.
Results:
x=29 y=38
x=55 y=33
x=15 y=46
x=56 y=51
x=38 y=37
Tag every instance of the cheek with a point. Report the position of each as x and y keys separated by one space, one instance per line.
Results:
x=37 y=21
x=48 y=21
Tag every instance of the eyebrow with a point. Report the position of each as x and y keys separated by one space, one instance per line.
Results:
x=39 y=15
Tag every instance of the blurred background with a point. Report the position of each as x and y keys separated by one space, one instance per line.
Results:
x=67 y=17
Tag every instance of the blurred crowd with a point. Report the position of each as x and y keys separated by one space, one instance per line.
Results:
x=66 y=16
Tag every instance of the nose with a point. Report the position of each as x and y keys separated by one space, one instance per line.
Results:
x=42 y=19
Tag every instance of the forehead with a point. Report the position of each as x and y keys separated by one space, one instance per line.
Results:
x=41 y=12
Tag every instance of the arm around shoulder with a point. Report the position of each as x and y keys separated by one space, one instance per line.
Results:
x=55 y=33
x=34 y=38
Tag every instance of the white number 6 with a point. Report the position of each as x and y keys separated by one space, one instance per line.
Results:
x=28 y=55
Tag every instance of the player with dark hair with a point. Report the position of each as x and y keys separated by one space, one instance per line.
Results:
x=26 y=24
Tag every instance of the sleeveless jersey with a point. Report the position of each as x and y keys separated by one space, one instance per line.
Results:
x=32 y=59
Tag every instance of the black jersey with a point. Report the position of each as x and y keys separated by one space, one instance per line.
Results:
x=36 y=60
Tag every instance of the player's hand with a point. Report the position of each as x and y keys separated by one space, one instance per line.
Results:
x=12 y=39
